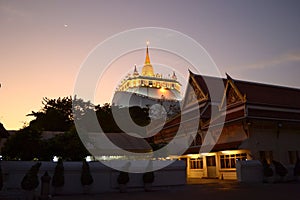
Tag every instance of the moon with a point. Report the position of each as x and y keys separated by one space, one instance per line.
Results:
x=66 y=25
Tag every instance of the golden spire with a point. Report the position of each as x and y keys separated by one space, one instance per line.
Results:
x=147 y=60
x=147 y=69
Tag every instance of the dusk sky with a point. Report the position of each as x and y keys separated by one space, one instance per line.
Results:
x=44 y=43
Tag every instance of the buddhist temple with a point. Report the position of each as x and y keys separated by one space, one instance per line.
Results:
x=147 y=87
x=151 y=84
x=262 y=123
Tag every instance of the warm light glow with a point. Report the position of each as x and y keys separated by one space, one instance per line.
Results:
x=194 y=155
x=207 y=154
x=231 y=152
x=162 y=90
x=147 y=43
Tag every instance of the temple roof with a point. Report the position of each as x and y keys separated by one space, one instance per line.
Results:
x=256 y=93
x=254 y=101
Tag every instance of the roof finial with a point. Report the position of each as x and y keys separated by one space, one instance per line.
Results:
x=174 y=76
x=135 y=72
x=228 y=77
x=147 y=60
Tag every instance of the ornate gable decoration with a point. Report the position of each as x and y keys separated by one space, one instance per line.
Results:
x=194 y=96
x=198 y=91
x=231 y=94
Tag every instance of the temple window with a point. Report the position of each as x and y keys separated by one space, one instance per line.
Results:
x=229 y=161
x=196 y=163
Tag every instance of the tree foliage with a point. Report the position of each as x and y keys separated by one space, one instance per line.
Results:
x=26 y=144
x=57 y=115
x=109 y=125
x=68 y=146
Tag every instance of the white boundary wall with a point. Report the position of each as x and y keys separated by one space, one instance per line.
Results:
x=105 y=178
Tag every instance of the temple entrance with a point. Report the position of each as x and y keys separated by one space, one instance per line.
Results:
x=211 y=166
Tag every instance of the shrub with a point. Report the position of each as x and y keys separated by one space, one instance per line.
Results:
x=86 y=177
x=268 y=172
x=123 y=178
x=279 y=168
x=58 y=176
x=1 y=178
x=30 y=180
x=148 y=177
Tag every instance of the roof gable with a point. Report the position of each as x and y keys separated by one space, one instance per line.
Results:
x=232 y=95
x=250 y=92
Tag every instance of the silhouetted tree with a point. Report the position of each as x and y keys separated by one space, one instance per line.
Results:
x=56 y=115
x=3 y=132
x=25 y=145
x=68 y=146
x=106 y=119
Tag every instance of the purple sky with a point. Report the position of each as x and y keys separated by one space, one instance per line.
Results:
x=40 y=57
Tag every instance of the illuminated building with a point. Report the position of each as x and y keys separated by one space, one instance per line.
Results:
x=262 y=123
x=147 y=86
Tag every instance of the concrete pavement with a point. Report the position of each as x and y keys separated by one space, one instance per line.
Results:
x=203 y=189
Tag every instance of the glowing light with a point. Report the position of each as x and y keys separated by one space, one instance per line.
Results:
x=193 y=155
x=55 y=158
x=162 y=90
x=207 y=154
x=88 y=158
x=231 y=152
